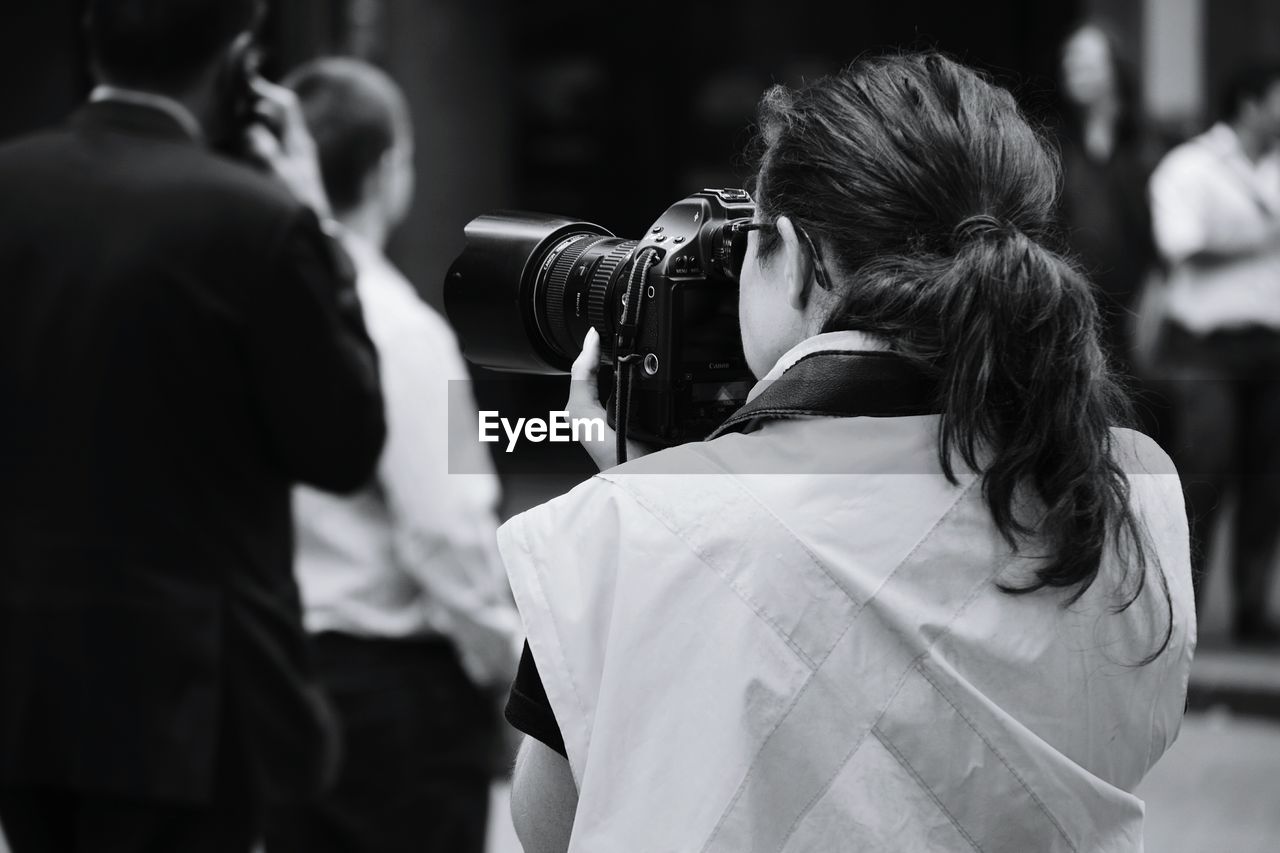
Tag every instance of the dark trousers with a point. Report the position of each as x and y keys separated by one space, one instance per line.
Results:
x=418 y=741
x=1227 y=440
x=52 y=820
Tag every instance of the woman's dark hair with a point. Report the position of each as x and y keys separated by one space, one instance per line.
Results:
x=1124 y=73
x=932 y=200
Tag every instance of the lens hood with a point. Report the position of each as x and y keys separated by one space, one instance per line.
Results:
x=488 y=292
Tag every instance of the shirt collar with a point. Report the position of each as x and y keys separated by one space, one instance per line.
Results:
x=152 y=101
x=361 y=250
x=1223 y=139
x=843 y=341
x=369 y=260
x=376 y=276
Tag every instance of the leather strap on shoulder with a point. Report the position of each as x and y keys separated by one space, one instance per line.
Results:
x=844 y=385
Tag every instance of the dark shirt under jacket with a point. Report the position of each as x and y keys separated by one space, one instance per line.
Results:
x=178 y=345
x=528 y=708
x=1108 y=227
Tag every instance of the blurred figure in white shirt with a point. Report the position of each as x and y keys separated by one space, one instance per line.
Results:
x=1216 y=216
x=402 y=585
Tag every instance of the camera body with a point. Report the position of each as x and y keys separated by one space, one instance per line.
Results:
x=691 y=373
x=527 y=288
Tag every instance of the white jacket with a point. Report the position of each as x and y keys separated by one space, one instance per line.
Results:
x=793 y=640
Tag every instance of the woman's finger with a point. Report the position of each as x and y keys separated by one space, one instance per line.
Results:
x=587 y=364
x=584 y=394
x=584 y=400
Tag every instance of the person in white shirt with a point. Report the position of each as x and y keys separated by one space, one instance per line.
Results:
x=402 y=585
x=1216 y=216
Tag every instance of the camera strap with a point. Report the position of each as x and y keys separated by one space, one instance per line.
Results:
x=625 y=356
x=841 y=384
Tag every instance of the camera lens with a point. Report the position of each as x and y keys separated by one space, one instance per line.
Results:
x=581 y=279
x=528 y=286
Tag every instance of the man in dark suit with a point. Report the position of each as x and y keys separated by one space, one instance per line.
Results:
x=179 y=344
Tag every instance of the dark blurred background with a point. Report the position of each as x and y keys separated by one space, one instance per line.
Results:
x=611 y=114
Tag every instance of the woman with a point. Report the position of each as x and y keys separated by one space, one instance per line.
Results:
x=960 y=620
x=1105 y=163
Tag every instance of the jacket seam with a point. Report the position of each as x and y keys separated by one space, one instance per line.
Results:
x=674 y=530
x=998 y=754
x=553 y=630
x=742 y=786
x=913 y=664
x=857 y=603
x=289 y=219
x=893 y=750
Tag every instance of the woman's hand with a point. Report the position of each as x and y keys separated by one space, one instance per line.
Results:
x=584 y=402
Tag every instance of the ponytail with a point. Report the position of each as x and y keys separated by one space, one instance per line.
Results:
x=1030 y=403
x=886 y=164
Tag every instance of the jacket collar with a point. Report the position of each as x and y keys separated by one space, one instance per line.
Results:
x=845 y=341
x=841 y=375
x=148 y=119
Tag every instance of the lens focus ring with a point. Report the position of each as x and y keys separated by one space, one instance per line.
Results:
x=598 y=313
x=558 y=283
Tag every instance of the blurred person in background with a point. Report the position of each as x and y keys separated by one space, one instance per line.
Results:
x=920 y=593
x=1105 y=165
x=402 y=583
x=1216 y=211
x=179 y=345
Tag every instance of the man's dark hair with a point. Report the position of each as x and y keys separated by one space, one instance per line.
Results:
x=352 y=110
x=1247 y=84
x=163 y=44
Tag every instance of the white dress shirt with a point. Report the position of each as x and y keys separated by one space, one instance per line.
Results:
x=1208 y=196
x=152 y=101
x=415 y=552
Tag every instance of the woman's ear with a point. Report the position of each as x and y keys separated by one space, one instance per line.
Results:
x=796 y=265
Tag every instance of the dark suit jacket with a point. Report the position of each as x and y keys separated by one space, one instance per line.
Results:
x=178 y=346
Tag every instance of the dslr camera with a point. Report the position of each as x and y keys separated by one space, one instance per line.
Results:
x=528 y=286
